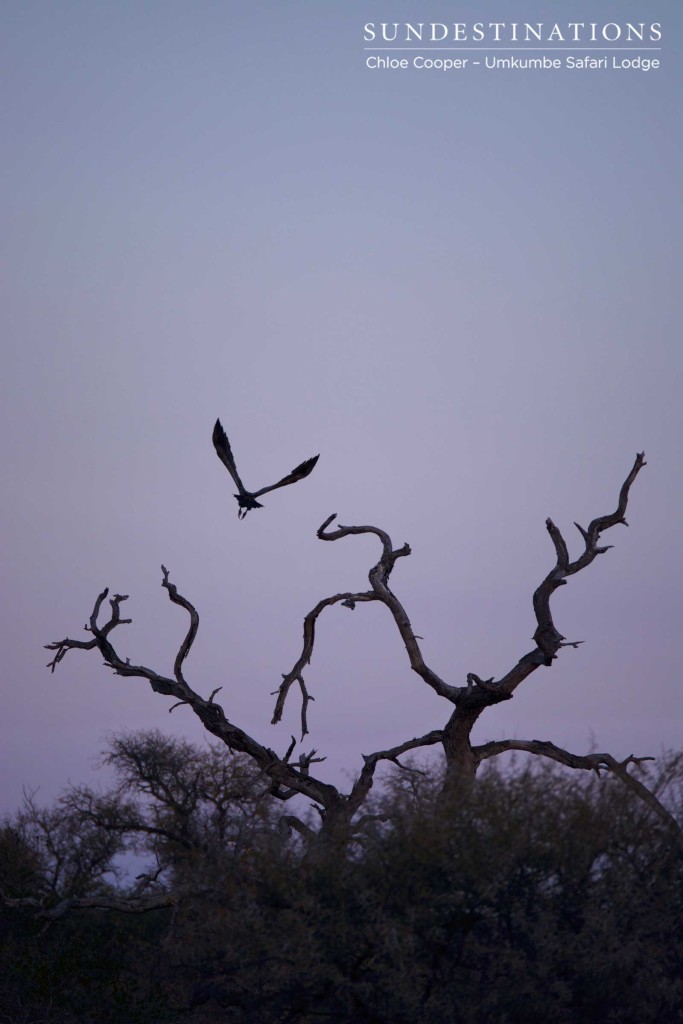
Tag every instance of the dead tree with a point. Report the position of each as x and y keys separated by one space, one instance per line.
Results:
x=340 y=812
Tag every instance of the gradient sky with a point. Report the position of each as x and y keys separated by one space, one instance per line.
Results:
x=462 y=289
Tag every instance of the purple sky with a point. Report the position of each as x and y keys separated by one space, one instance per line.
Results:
x=462 y=289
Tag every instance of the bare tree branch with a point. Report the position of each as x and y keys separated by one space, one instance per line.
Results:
x=379 y=576
x=587 y=762
x=363 y=784
x=435 y=736
x=467 y=700
x=290 y=821
x=192 y=631
x=548 y=639
x=479 y=694
x=284 y=776
x=295 y=673
x=287 y=778
x=546 y=635
x=62 y=646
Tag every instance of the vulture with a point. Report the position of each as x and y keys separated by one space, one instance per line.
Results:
x=246 y=500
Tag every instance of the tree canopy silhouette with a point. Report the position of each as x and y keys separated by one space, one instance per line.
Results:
x=456 y=890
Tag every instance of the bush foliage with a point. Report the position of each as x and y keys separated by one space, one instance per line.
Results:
x=542 y=897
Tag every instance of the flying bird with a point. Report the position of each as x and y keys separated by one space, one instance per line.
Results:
x=246 y=500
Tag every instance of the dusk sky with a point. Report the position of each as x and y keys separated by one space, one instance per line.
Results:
x=462 y=288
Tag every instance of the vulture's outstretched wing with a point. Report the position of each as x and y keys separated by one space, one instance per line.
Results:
x=297 y=474
x=224 y=452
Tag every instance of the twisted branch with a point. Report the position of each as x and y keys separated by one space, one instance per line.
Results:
x=286 y=778
x=99 y=635
x=588 y=762
x=548 y=639
x=363 y=784
x=186 y=645
x=378 y=576
x=295 y=673
x=546 y=636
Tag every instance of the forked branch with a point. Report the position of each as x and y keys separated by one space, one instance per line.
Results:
x=285 y=776
x=588 y=762
x=295 y=674
x=379 y=581
x=547 y=637
x=549 y=640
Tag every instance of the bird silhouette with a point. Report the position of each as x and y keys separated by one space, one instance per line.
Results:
x=246 y=500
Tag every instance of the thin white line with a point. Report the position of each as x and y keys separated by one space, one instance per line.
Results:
x=548 y=48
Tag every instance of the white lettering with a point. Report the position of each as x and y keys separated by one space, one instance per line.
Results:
x=635 y=33
x=586 y=62
x=392 y=63
x=444 y=28
x=439 y=63
x=511 y=32
x=635 y=63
